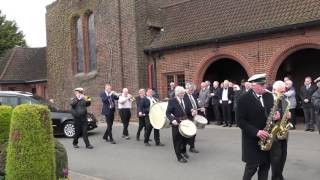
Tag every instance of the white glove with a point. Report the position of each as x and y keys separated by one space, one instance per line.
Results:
x=220 y=101
x=229 y=102
x=174 y=122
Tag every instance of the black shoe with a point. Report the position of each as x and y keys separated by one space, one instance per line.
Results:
x=75 y=146
x=307 y=130
x=182 y=160
x=89 y=147
x=225 y=125
x=230 y=125
x=185 y=155
x=147 y=144
x=311 y=130
x=193 y=150
x=159 y=144
x=113 y=142
x=218 y=123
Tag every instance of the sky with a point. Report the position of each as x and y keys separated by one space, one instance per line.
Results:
x=30 y=18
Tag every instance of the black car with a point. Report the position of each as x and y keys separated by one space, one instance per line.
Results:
x=62 y=120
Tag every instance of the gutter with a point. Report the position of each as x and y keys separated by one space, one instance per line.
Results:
x=235 y=37
x=21 y=81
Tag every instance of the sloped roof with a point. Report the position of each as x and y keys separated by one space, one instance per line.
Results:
x=210 y=20
x=22 y=65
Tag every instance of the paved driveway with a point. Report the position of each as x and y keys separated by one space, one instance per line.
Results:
x=219 y=157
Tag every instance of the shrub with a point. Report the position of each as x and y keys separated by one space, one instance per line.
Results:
x=5 y=117
x=61 y=160
x=30 y=153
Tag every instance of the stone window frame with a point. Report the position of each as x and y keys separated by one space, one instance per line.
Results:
x=84 y=18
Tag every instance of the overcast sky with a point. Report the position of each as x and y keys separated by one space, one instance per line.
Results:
x=30 y=18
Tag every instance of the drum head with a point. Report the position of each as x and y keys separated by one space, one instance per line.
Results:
x=201 y=120
x=157 y=115
x=187 y=128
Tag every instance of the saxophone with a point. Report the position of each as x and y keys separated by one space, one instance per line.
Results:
x=271 y=127
x=285 y=125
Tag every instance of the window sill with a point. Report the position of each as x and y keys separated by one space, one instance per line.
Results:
x=86 y=76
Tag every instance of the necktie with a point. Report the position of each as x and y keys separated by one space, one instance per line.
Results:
x=260 y=100
x=111 y=102
x=194 y=105
x=182 y=104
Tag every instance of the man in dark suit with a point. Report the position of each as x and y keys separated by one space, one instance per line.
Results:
x=79 y=111
x=144 y=108
x=176 y=112
x=253 y=109
x=306 y=92
x=108 y=98
x=226 y=98
x=215 y=102
x=142 y=124
x=191 y=106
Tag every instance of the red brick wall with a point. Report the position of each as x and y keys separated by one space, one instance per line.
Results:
x=262 y=55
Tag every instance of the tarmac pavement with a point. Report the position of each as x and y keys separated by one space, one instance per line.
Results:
x=219 y=157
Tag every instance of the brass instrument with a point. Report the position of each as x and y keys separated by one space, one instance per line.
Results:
x=87 y=98
x=271 y=127
x=284 y=124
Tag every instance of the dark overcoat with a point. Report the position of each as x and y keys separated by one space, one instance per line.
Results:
x=106 y=108
x=252 y=117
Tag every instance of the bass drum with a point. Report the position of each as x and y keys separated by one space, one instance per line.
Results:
x=157 y=115
x=200 y=121
x=187 y=128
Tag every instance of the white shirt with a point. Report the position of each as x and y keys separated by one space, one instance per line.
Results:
x=124 y=102
x=193 y=102
x=225 y=94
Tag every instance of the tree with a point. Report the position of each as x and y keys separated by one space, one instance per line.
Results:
x=10 y=36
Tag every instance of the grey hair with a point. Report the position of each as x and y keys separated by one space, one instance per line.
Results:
x=190 y=86
x=278 y=85
x=178 y=90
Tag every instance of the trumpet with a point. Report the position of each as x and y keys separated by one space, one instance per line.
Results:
x=87 y=98
x=115 y=93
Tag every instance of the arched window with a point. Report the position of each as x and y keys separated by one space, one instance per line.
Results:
x=79 y=46
x=92 y=43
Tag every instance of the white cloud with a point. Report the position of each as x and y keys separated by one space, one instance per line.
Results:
x=30 y=18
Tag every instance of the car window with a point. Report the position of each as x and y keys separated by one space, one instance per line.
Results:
x=9 y=100
x=24 y=100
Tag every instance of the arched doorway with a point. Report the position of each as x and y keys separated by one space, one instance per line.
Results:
x=225 y=68
x=297 y=66
x=300 y=64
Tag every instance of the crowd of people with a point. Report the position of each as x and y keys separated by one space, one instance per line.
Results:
x=249 y=105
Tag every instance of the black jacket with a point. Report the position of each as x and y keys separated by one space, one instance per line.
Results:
x=307 y=94
x=79 y=107
x=230 y=93
x=144 y=105
x=252 y=117
x=175 y=111
x=106 y=109
x=215 y=99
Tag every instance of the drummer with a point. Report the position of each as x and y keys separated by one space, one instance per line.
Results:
x=191 y=105
x=177 y=112
x=144 y=108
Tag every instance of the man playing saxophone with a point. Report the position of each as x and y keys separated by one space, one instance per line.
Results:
x=278 y=151
x=254 y=107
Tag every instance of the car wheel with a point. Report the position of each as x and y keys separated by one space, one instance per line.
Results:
x=69 y=129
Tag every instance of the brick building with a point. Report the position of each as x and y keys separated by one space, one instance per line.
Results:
x=24 y=69
x=148 y=43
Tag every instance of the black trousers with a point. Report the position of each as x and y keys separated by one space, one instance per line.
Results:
x=278 y=156
x=251 y=169
x=148 y=130
x=191 y=141
x=309 y=117
x=109 y=120
x=226 y=112
x=125 y=115
x=293 y=116
x=216 y=111
x=142 y=125
x=81 y=128
x=179 y=142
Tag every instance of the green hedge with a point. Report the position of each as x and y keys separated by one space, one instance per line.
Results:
x=30 y=153
x=61 y=160
x=5 y=117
